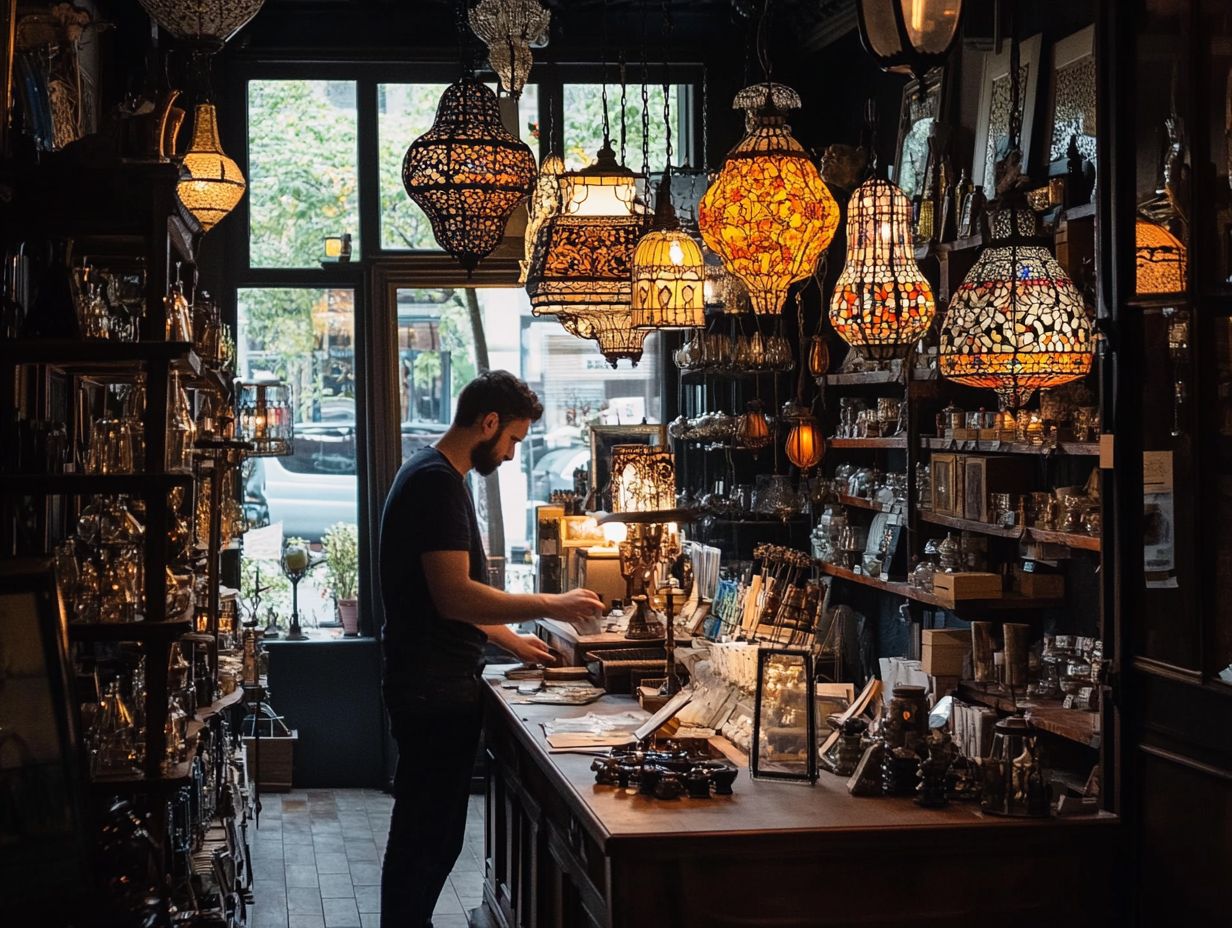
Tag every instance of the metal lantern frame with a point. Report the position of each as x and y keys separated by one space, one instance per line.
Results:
x=509 y=28
x=265 y=417
x=882 y=304
x=886 y=35
x=468 y=172
x=546 y=201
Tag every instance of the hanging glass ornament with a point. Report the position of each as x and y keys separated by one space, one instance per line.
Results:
x=909 y=36
x=468 y=172
x=509 y=28
x=545 y=202
x=1017 y=322
x=768 y=215
x=668 y=272
x=882 y=305
x=213 y=183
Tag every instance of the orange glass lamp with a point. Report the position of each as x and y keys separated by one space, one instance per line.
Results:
x=1162 y=260
x=752 y=429
x=882 y=305
x=212 y=183
x=768 y=214
x=669 y=272
x=468 y=172
x=806 y=446
x=1016 y=323
x=819 y=356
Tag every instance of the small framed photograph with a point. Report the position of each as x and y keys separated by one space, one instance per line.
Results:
x=603 y=438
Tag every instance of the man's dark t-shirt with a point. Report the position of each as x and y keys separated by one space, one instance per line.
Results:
x=428 y=509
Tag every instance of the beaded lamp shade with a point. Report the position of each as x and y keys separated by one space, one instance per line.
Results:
x=768 y=215
x=468 y=173
x=203 y=22
x=509 y=28
x=805 y=444
x=545 y=201
x=1161 y=260
x=211 y=183
x=882 y=305
x=1017 y=322
x=668 y=272
x=643 y=479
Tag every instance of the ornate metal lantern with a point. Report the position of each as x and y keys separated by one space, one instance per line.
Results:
x=1017 y=322
x=265 y=417
x=212 y=183
x=806 y=446
x=768 y=215
x=509 y=28
x=668 y=272
x=613 y=330
x=545 y=202
x=467 y=172
x=209 y=23
x=882 y=305
x=909 y=36
x=1162 y=261
x=643 y=479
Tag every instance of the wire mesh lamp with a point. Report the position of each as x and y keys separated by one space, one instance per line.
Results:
x=468 y=172
x=544 y=203
x=668 y=271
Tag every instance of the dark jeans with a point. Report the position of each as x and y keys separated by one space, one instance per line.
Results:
x=437 y=736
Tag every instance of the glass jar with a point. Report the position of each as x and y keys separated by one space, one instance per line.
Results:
x=949 y=553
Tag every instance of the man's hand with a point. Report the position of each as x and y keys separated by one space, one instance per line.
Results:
x=576 y=606
x=530 y=650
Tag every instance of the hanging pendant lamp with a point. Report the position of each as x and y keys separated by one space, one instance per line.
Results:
x=1161 y=260
x=1017 y=322
x=882 y=305
x=909 y=36
x=613 y=330
x=668 y=272
x=468 y=173
x=805 y=444
x=509 y=28
x=211 y=183
x=768 y=215
x=208 y=23
x=544 y=203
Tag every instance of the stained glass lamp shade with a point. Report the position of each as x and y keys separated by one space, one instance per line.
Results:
x=468 y=173
x=545 y=202
x=768 y=214
x=909 y=36
x=1162 y=260
x=643 y=479
x=882 y=305
x=509 y=28
x=211 y=183
x=668 y=272
x=202 y=22
x=1017 y=322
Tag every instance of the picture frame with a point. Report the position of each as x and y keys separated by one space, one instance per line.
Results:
x=44 y=857
x=1071 y=97
x=605 y=437
x=993 y=119
x=784 y=745
x=945 y=484
x=918 y=115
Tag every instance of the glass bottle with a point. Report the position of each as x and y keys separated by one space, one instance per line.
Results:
x=950 y=553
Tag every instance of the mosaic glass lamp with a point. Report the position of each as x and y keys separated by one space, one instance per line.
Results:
x=544 y=203
x=509 y=28
x=211 y=183
x=882 y=305
x=806 y=446
x=768 y=214
x=909 y=36
x=468 y=172
x=265 y=417
x=1016 y=323
x=643 y=479
x=1162 y=260
x=669 y=272
x=208 y=23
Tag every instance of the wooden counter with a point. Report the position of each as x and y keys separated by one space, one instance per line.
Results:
x=564 y=851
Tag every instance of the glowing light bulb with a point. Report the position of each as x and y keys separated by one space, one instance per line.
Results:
x=676 y=254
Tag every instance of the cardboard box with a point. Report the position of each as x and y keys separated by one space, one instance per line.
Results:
x=1039 y=585
x=967 y=585
x=943 y=651
x=277 y=761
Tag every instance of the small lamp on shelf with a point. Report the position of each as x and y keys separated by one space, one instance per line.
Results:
x=337 y=249
x=264 y=417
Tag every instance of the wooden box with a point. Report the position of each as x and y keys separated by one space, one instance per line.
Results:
x=982 y=475
x=943 y=650
x=1039 y=586
x=945 y=484
x=277 y=761
x=967 y=585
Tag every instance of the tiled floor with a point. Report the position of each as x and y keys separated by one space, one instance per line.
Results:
x=317 y=861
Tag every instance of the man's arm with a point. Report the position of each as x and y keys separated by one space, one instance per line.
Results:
x=526 y=648
x=458 y=597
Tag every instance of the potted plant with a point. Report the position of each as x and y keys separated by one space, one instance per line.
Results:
x=341 y=544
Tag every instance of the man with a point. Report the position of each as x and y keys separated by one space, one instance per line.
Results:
x=438 y=614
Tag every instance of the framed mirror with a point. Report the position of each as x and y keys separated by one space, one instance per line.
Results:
x=784 y=718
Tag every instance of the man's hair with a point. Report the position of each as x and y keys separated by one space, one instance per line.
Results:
x=499 y=392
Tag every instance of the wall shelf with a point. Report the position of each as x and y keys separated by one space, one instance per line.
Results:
x=859 y=502
x=896 y=441
x=1044 y=536
x=1009 y=601
x=1090 y=448
x=1081 y=726
x=129 y=631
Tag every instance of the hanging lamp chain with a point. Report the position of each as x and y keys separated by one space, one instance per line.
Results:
x=763 y=50
x=667 y=87
x=705 y=118
x=466 y=56
x=607 y=126
x=624 y=103
x=870 y=134
x=645 y=100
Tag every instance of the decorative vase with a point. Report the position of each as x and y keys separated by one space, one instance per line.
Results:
x=348 y=614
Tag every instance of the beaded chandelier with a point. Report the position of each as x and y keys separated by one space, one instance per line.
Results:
x=1161 y=259
x=882 y=305
x=668 y=272
x=643 y=479
x=545 y=202
x=211 y=183
x=509 y=28
x=1017 y=322
x=468 y=173
x=768 y=215
x=208 y=23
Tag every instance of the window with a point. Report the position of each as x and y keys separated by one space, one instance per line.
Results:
x=303 y=180
x=583 y=128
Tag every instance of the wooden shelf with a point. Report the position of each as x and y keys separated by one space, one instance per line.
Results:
x=1078 y=725
x=1009 y=601
x=82 y=484
x=1011 y=447
x=129 y=631
x=716 y=373
x=860 y=502
x=173 y=779
x=95 y=354
x=1045 y=536
x=1069 y=539
x=206 y=713
x=897 y=441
